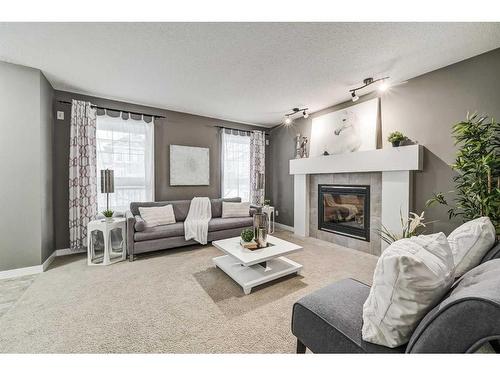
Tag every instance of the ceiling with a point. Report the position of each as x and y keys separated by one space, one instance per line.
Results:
x=245 y=72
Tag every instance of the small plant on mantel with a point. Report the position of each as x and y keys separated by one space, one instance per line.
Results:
x=267 y=202
x=477 y=184
x=396 y=138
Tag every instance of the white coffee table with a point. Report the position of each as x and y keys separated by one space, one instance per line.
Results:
x=251 y=268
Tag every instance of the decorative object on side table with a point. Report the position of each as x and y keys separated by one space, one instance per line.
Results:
x=108 y=231
x=396 y=138
x=477 y=182
x=108 y=214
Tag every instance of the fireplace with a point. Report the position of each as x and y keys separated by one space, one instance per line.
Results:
x=345 y=210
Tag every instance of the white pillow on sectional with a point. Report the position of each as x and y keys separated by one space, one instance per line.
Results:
x=470 y=242
x=410 y=278
x=235 y=209
x=161 y=215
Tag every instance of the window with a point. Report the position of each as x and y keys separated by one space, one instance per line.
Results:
x=126 y=147
x=236 y=165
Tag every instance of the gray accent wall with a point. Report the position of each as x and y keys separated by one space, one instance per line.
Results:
x=176 y=128
x=424 y=109
x=26 y=223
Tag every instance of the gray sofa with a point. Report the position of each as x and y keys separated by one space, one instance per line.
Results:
x=330 y=319
x=141 y=239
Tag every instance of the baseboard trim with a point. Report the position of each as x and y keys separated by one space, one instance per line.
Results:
x=48 y=261
x=62 y=252
x=283 y=226
x=24 y=271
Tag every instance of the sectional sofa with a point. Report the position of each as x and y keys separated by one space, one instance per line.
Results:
x=141 y=239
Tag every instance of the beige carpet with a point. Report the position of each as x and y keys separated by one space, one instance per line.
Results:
x=170 y=301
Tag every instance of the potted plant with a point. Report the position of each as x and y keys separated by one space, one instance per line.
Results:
x=396 y=138
x=477 y=182
x=108 y=214
x=414 y=225
x=247 y=241
x=267 y=203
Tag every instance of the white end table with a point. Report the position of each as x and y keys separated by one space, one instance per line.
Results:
x=251 y=268
x=111 y=255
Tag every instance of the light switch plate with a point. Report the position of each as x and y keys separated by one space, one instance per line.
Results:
x=60 y=115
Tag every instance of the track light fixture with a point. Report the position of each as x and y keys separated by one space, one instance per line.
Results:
x=287 y=120
x=367 y=82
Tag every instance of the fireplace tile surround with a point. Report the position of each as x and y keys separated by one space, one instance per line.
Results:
x=374 y=180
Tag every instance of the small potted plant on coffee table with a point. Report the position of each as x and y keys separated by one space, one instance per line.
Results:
x=108 y=214
x=396 y=138
x=247 y=239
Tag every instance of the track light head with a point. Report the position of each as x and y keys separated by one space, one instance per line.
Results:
x=383 y=86
x=354 y=96
x=306 y=115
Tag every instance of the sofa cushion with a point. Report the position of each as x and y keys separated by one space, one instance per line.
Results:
x=140 y=224
x=219 y=223
x=217 y=205
x=161 y=231
x=469 y=314
x=470 y=242
x=411 y=277
x=329 y=320
x=155 y=216
x=235 y=209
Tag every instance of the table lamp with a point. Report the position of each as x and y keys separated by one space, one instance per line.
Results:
x=107 y=184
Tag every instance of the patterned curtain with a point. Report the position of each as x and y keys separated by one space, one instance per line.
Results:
x=257 y=167
x=82 y=172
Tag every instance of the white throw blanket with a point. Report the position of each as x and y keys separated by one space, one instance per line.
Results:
x=196 y=223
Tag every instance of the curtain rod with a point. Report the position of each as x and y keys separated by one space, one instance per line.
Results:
x=116 y=110
x=240 y=130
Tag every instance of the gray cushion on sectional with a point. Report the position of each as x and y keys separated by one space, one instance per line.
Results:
x=469 y=314
x=161 y=231
x=229 y=223
x=494 y=253
x=330 y=320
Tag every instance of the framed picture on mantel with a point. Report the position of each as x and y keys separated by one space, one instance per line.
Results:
x=189 y=166
x=348 y=130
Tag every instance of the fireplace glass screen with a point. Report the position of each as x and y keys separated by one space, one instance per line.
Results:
x=345 y=209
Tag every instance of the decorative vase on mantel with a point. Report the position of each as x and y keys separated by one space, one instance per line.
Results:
x=396 y=143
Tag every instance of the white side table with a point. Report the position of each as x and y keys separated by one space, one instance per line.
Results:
x=110 y=255
x=269 y=210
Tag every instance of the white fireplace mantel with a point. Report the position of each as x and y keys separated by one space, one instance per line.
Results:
x=395 y=163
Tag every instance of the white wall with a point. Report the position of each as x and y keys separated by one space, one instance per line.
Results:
x=24 y=198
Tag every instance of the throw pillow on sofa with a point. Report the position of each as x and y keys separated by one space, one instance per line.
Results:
x=232 y=209
x=161 y=215
x=470 y=242
x=411 y=277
